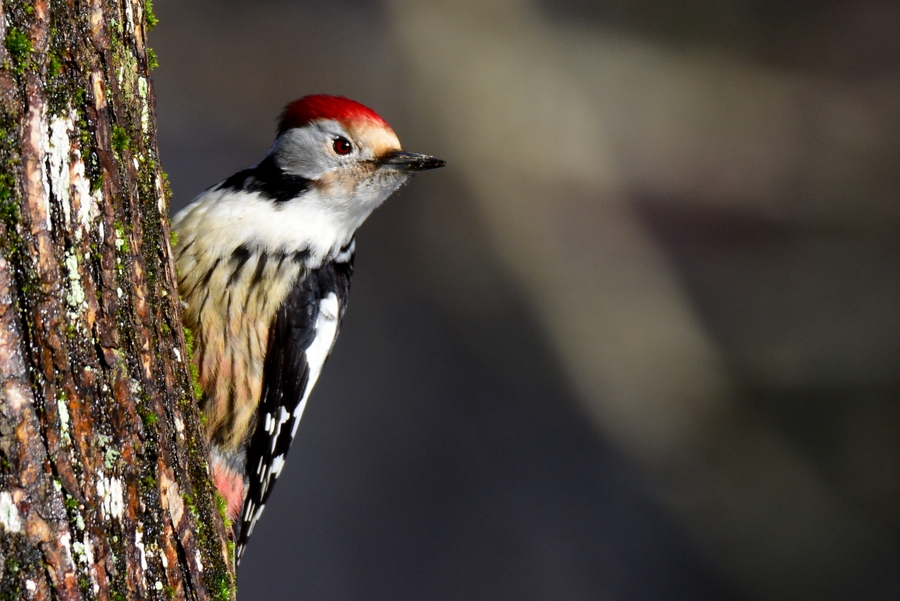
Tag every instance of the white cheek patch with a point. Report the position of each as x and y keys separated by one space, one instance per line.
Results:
x=304 y=150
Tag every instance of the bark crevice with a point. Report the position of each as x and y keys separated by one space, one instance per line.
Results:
x=104 y=487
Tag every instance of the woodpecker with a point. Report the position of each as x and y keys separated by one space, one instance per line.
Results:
x=264 y=261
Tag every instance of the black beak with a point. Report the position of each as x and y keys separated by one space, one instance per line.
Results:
x=409 y=161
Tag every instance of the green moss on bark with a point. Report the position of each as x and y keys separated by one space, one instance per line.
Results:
x=18 y=44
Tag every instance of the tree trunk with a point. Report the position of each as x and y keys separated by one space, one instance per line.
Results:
x=104 y=486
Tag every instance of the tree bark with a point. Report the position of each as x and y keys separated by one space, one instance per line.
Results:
x=104 y=485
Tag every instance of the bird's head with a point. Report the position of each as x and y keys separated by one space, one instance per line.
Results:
x=333 y=161
x=348 y=152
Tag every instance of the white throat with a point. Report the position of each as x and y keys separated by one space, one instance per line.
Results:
x=224 y=219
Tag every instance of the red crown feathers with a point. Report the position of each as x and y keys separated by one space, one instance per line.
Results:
x=321 y=106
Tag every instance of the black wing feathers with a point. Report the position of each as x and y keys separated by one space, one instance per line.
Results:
x=285 y=379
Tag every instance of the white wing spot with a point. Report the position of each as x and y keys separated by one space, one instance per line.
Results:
x=255 y=519
x=277 y=466
x=328 y=307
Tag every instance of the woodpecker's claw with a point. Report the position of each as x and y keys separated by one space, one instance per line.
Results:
x=410 y=161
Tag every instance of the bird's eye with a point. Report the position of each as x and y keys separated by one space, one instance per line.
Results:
x=342 y=146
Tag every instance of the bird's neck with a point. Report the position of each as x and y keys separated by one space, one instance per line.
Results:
x=225 y=217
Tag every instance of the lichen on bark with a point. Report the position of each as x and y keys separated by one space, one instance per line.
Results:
x=100 y=440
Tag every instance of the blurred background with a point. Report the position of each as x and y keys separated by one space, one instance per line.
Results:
x=639 y=340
